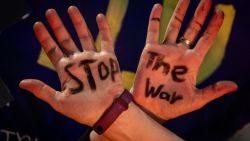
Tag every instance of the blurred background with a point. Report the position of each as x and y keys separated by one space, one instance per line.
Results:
x=26 y=118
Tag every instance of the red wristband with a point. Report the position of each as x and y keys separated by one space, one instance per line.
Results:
x=119 y=105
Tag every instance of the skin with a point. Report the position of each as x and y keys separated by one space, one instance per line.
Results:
x=179 y=54
x=80 y=99
x=67 y=62
x=175 y=54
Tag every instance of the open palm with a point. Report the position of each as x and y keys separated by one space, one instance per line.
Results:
x=165 y=83
x=90 y=80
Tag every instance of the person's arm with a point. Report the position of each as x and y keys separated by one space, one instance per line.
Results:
x=165 y=82
x=134 y=125
x=90 y=80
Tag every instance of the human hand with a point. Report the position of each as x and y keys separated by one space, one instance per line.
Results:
x=90 y=80
x=165 y=83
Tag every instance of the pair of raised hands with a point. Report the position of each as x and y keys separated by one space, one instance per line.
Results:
x=165 y=82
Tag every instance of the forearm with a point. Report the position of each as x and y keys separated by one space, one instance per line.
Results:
x=134 y=125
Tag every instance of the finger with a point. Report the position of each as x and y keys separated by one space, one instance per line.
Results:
x=216 y=90
x=106 y=37
x=49 y=45
x=81 y=28
x=61 y=33
x=207 y=39
x=154 y=24
x=41 y=90
x=197 y=21
x=176 y=21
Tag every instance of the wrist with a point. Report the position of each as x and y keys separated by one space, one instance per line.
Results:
x=133 y=125
x=120 y=129
x=150 y=114
x=118 y=106
x=137 y=101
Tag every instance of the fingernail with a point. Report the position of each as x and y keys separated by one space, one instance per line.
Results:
x=234 y=88
x=219 y=13
x=157 y=5
x=23 y=82
x=224 y=86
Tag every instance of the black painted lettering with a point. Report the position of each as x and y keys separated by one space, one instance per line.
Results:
x=151 y=59
x=85 y=64
x=175 y=98
x=165 y=95
x=114 y=68
x=150 y=90
x=103 y=71
x=160 y=63
x=177 y=71
x=78 y=81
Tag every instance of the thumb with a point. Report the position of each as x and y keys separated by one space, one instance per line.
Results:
x=217 y=90
x=40 y=90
